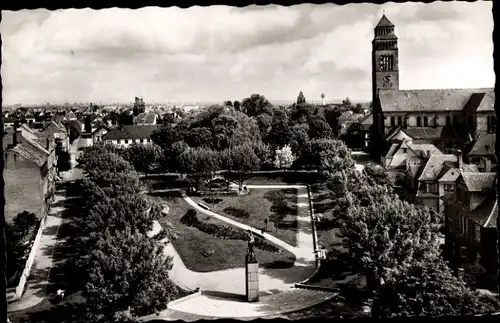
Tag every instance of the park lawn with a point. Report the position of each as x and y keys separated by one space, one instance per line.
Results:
x=284 y=177
x=260 y=208
x=191 y=242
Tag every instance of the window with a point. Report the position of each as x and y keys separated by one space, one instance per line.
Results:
x=432 y=188
x=492 y=124
x=126 y=141
x=142 y=141
x=393 y=122
x=448 y=120
x=477 y=232
x=119 y=141
x=149 y=140
x=419 y=121
x=449 y=187
x=405 y=150
x=400 y=121
x=426 y=121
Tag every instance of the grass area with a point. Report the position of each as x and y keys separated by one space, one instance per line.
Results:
x=282 y=177
x=192 y=244
x=279 y=206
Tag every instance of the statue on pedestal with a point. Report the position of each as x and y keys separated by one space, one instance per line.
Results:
x=250 y=251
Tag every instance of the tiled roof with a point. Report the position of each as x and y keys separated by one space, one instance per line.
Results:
x=424 y=150
x=70 y=115
x=486 y=213
x=481 y=101
x=428 y=100
x=484 y=145
x=28 y=153
x=145 y=118
x=477 y=182
x=432 y=133
x=433 y=166
x=52 y=128
x=384 y=22
x=397 y=134
x=130 y=132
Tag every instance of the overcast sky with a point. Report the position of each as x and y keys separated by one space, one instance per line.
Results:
x=224 y=53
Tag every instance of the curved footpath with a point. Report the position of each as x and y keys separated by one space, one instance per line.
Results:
x=232 y=281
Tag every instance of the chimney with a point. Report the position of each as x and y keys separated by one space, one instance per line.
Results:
x=47 y=144
x=16 y=137
x=460 y=159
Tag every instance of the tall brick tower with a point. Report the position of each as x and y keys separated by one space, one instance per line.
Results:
x=385 y=71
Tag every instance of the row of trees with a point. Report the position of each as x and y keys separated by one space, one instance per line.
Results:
x=126 y=272
x=396 y=245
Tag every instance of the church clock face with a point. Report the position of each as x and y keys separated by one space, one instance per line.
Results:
x=387 y=79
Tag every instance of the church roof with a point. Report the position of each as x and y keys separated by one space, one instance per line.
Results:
x=431 y=100
x=384 y=22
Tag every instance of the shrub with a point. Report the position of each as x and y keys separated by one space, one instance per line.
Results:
x=239 y=213
x=212 y=200
x=225 y=232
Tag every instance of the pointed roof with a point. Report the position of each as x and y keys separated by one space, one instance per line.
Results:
x=384 y=22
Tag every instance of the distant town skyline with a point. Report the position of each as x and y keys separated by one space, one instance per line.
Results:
x=219 y=53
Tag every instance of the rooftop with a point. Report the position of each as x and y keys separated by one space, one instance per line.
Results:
x=130 y=132
x=477 y=182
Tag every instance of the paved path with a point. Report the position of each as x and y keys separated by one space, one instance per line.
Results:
x=36 y=285
x=38 y=280
x=232 y=281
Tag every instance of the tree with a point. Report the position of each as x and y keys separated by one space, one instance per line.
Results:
x=301 y=99
x=284 y=157
x=200 y=137
x=347 y=103
x=319 y=128
x=358 y=108
x=428 y=288
x=25 y=222
x=228 y=103
x=242 y=161
x=377 y=175
x=300 y=135
x=144 y=158
x=319 y=152
x=256 y=104
x=237 y=105
x=125 y=118
x=127 y=271
x=124 y=211
x=93 y=165
x=280 y=132
x=264 y=121
x=199 y=163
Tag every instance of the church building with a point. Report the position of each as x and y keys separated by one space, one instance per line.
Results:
x=446 y=118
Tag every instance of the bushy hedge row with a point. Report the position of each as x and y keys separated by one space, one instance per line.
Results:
x=239 y=213
x=225 y=232
x=212 y=200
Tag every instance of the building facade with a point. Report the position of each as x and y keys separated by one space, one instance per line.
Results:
x=447 y=118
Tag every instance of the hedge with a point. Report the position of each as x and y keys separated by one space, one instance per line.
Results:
x=225 y=232
x=239 y=213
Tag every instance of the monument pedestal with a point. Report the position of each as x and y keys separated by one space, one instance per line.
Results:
x=252 y=279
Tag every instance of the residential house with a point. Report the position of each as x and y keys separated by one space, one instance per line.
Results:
x=471 y=214
x=145 y=119
x=452 y=117
x=437 y=177
x=358 y=134
x=482 y=153
x=403 y=156
x=345 y=121
x=99 y=133
x=56 y=130
x=29 y=172
x=125 y=135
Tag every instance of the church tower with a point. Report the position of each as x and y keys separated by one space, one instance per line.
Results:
x=385 y=71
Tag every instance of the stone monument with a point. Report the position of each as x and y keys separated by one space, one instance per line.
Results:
x=251 y=271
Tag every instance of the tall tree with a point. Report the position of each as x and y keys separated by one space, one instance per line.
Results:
x=319 y=128
x=301 y=99
x=256 y=104
x=284 y=158
x=199 y=163
x=128 y=272
x=144 y=158
x=242 y=161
